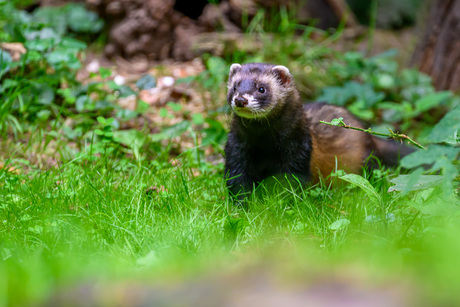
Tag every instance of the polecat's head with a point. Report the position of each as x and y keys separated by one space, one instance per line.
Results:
x=255 y=90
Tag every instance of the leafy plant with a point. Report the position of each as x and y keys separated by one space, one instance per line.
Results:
x=30 y=87
x=436 y=158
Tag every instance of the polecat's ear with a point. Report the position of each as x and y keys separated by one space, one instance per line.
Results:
x=233 y=69
x=283 y=74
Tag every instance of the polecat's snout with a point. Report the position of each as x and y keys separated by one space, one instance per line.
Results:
x=241 y=102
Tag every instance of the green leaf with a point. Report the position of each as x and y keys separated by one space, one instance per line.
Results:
x=72 y=44
x=174 y=106
x=112 y=85
x=126 y=114
x=146 y=82
x=43 y=114
x=5 y=62
x=163 y=112
x=198 y=119
x=446 y=127
x=217 y=66
x=435 y=201
x=337 y=121
x=431 y=156
x=423 y=182
x=385 y=81
x=62 y=57
x=364 y=185
x=8 y=83
x=171 y=132
x=46 y=95
x=40 y=45
x=215 y=133
x=439 y=158
x=131 y=138
x=99 y=132
x=350 y=91
x=105 y=72
x=359 y=109
x=339 y=224
x=101 y=120
x=51 y=17
x=142 y=107
x=81 y=102
x=81 y=20
x=125 y=91
x=431 y=101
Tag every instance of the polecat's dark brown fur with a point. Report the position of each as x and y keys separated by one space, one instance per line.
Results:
x=273 y=133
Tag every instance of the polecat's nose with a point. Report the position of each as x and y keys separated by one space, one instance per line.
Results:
x=241 y=102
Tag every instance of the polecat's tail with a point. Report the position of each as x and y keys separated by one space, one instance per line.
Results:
x=389 y=151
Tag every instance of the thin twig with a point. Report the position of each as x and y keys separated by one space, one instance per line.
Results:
x=392 y=135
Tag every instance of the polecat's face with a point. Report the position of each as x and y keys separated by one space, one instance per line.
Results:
x=255 y=89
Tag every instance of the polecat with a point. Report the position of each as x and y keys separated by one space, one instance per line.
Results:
x=273 y=133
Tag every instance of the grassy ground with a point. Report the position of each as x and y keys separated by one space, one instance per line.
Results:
x=119 y=226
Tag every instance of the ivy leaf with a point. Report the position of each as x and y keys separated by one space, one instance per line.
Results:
x=72 y=44
x=146 y=82
x=45 y=94
x=446 y=127
x=431 y=101
x=435 y=201
x=125 y=91
x=423 y=182
x=431 y=156
x=351 y=90
x=80 y=20
x=52 y=17
x=436 y=157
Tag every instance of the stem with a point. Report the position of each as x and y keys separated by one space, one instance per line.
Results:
x=396 y=136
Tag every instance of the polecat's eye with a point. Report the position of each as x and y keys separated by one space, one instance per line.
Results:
x=234 y=88
x=261 y=89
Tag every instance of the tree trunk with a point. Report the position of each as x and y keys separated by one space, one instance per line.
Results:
x=438 y=54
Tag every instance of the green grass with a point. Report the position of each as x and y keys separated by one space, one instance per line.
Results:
x=107 y=222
